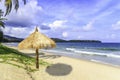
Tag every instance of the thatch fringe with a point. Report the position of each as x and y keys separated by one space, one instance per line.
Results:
x=37 y=40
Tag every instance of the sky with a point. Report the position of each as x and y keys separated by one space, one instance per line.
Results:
x=66 y=19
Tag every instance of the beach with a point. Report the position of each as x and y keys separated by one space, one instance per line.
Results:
x=61 y=68
x=59 y=40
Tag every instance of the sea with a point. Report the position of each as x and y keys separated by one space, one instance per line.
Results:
x=105 y=53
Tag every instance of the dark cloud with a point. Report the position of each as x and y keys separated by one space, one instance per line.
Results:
x=44 y=27
x=17 y=24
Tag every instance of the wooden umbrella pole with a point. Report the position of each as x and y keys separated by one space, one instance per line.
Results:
x=37 y=59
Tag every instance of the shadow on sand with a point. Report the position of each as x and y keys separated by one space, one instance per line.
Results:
x=59 y=69
x=43 y=55
x=49 y=56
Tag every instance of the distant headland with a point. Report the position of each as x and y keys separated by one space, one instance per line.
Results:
x=8 y=38
x=61 y=40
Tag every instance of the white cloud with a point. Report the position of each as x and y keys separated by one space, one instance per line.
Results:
x=80 y=37
x=57 y=24
x=26 y=13
x=116 y=26
x=19 y=32
x=2 y=5
x=65 y=34
x=111 y=36
x=89 y=26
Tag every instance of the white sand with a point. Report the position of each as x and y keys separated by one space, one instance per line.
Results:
x=10 y=72
x=81 y=70
x=64 y=68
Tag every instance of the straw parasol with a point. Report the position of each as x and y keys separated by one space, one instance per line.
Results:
x=37 y=41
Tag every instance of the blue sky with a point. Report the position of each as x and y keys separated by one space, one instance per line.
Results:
x=67 y=19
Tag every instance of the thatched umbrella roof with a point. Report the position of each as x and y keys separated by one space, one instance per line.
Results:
x=37 y=40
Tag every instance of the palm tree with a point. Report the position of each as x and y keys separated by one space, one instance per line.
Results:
x=10 y=3
x=1 y=36
x=1 y=19
x=1 y=25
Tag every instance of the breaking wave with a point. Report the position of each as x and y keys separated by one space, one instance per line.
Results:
x=93 y=53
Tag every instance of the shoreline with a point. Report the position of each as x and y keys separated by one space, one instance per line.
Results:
x=67 y=56
x=66 y=68
x=101 y=63
x=89 y=60
x=99 y=57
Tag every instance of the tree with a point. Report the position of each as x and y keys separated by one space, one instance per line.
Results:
x=1 y=19
x=10 y=3
x=1 y=25
x=1 y=36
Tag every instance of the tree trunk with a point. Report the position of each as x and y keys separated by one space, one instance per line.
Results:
x=37 y=59
x=1 y=36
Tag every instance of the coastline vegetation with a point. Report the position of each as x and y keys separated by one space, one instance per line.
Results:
x=16 y=58
x=7 y=38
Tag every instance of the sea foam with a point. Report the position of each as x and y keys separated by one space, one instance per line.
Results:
x=93 y=53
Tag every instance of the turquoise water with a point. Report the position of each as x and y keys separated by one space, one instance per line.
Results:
x=107 y=53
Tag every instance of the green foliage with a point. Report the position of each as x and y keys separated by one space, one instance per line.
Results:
x=2 y=24
x=1 y=36
x=16 y=58
x=2 y=19
x=11 y=3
